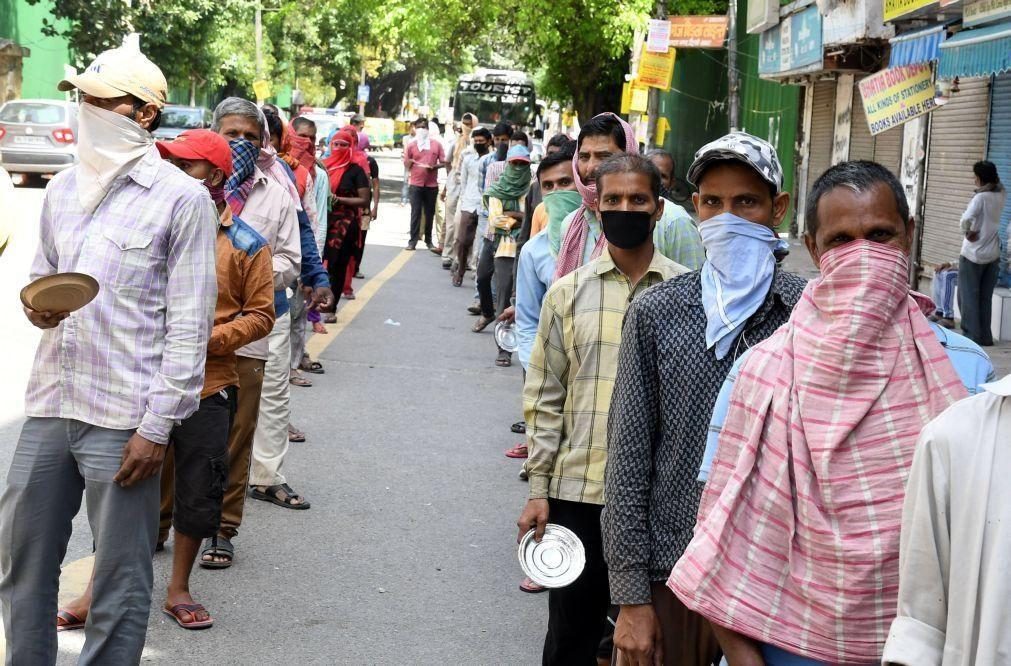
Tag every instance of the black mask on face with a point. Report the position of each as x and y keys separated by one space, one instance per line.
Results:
x=626 y=229
x=481 y=148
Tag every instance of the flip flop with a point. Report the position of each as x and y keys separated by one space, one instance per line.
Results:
x=482 y=324
x=192 y=609
x=70 y=621
x=504 y=360
x=314 y=367
x=531 y=587
x=300 y=381
x=295 y=435
x=520 y=427
x=217 y=546
x=518 y=451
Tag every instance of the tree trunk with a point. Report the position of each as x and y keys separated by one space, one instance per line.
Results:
x=388 y=92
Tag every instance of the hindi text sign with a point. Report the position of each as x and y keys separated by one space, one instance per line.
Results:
x=698 y=32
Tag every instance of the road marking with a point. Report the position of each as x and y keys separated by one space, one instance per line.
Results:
x=318 y=343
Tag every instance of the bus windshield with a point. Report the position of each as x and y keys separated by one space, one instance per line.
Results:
x=494 y=98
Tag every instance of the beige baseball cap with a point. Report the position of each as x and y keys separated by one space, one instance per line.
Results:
x=118 y=72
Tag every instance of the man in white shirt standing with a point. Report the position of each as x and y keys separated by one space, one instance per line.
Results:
x=979 y=264
x=470 y=199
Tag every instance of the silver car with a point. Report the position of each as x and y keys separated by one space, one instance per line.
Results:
x=38 y=136
x=176 y=119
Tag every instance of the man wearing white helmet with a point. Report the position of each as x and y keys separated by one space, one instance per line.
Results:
x=111 y=379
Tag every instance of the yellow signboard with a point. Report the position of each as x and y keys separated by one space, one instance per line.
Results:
x=639 y=99
x=262 y=89
x=896 y=8
x=896 y=95
x=656 y=69
x=626 y=98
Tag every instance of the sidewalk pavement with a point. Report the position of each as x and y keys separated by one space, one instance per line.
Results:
x=799 y=262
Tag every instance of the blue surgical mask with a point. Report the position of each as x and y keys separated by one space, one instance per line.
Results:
x=736 y=277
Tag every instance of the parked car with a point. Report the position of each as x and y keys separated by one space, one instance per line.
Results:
x=38 y=136
x=176 y=119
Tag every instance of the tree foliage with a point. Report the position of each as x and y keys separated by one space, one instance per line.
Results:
x=578 y=50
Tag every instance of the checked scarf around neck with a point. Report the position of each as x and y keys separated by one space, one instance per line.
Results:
x=797 y=540
x=240 y=183
x=570 y=256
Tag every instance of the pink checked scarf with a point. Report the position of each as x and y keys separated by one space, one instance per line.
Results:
x=270 y=165
x=797 y=540
x=570 y=255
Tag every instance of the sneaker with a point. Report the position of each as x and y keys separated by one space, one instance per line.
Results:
x=412 y=246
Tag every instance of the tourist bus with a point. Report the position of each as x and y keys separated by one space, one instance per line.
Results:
x=494 y=95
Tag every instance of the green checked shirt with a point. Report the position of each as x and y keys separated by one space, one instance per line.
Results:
x=676 y=236
x=573 y=364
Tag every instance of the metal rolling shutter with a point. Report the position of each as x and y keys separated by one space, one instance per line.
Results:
x=957 y=141
x=888 y=149
x=999 y=152
x=861 y=141
x=822 y=129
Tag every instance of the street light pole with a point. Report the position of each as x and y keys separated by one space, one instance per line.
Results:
x=258 y=36
x=733 y=85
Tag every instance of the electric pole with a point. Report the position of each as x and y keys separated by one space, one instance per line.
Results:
x=653 y=103
x=733 y=81
x=258 y=36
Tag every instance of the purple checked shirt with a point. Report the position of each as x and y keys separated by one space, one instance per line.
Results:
x=134 y=357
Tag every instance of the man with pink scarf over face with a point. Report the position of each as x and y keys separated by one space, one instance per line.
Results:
x=795 y=555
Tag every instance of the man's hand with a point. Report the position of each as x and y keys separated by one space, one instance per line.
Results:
x=375 y=212
x=535 y=515
x=321 y=297
x=638 y=636
x=142 y=459
x=739 y=650
x=509 y=314
x=972 y=236
x=45 y=320
x=442 y=195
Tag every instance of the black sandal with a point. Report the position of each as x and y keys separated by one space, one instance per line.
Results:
x=504 y=360
x=217 y=546
x=269 y=494
x=520 y=427
x=315 y=367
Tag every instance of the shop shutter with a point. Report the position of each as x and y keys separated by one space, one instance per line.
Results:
x=861 y=141
x=957 y=141
x=999 y=152
x=888 y=149
x=822 y=129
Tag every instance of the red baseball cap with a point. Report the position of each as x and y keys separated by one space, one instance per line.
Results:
x=199 y=144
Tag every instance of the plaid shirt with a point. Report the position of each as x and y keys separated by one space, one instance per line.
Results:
x=573 y=363
x=133 y=358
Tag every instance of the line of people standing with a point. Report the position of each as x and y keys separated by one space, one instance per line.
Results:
x=731 y=443
x=166 y=400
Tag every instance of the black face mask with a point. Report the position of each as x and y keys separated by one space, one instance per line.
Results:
x=481 y=148
x=626 y=229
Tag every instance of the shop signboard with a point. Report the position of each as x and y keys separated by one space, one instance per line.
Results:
x=794 y=44
x=985 y=11
x=762 y=15
x=698 y=32
x=656 y=69
x=896 y=95
x=897 y=8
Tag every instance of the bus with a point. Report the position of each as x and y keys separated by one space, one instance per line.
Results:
x=494 y=95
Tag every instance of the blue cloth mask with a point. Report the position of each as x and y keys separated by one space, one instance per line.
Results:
x=736 y=277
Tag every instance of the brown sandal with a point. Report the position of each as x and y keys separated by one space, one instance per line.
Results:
x=482 y=323
x=174 y=613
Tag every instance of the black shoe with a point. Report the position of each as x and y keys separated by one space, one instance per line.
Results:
x=474 y=308
x=447 y=264
x=412 y=246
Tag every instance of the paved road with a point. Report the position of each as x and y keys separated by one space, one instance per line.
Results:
x=408 y=553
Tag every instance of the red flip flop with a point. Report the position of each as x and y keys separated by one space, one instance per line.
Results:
x=531 y=587
x=70 y=621
x=192 y=609
x=518 y=451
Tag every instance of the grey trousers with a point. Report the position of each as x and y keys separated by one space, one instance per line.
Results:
x=299 y=325
x=975 y=291
x=55 y=461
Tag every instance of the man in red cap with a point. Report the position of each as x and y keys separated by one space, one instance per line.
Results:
x=196 y=464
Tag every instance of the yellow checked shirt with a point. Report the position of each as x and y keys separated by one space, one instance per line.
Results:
x=573 y=364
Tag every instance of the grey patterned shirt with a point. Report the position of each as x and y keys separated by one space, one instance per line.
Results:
x=664 y=394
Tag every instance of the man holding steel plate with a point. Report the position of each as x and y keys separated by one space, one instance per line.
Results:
x=567 y=394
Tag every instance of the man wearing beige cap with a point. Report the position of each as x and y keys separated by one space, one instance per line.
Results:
x=111 y=379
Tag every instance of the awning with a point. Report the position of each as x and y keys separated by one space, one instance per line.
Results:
x=919 y=46
x=979 y=52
